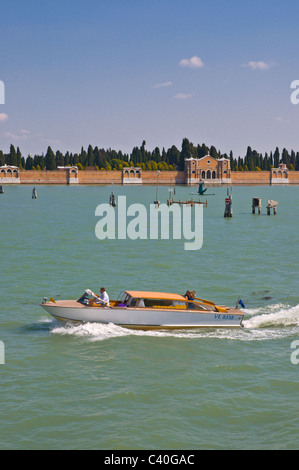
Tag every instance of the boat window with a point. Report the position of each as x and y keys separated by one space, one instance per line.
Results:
x=124 y=298
x=133 y=302
x=157 y=303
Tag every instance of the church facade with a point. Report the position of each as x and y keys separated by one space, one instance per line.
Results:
x=208 y=170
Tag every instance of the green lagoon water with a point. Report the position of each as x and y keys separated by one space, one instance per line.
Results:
x=104 y=387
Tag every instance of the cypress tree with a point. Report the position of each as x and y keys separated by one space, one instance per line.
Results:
x=19 y=156
x=90 y=156
x=276 y=158
x=185 y=153
x=12 y=157
x=213 y=152
x=50 y=160
x=29 y=163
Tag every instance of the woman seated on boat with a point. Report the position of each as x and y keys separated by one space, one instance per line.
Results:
x=190 y=296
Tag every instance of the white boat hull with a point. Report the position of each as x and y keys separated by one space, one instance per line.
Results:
x=143 y=318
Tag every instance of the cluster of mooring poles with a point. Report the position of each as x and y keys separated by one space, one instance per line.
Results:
x=257 y=204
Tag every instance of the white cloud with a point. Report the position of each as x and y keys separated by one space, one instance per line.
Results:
x=258 y=65
x=193 y=63
x=182 y=96
x=284 y=121
x=3 y=117
x=162 y=85
x=21 y=135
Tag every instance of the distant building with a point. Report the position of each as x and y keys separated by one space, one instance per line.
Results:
x=280 y=175
x=72 y=173
x=131 y=175
x=9 y=174
x=208 y=170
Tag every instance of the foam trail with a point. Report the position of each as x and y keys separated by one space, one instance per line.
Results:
x=91 y=331
x=273 y=316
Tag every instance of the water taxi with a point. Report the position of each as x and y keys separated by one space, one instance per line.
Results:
x=145 y=311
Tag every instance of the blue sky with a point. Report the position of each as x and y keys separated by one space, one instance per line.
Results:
x=113 y=73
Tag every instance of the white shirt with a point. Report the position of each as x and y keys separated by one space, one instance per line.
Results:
x=105 y=298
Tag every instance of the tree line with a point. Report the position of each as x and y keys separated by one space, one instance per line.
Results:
x=171 y=159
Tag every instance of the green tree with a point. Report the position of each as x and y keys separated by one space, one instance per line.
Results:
x=66 y=159
x=185 y=153
x=202 y=151
x=59 y=158
x=83 y=157
x=2 y=158
x=12 y=157
x=285 y=157
x=90 y=156
x=213 y=152
x=162 y=166
x=19 y=156
x=143 y=151
x=276 y=157
x=156 y=155
x=173 y=156
x=29 y=163
x=164 y=155
x=50 y=160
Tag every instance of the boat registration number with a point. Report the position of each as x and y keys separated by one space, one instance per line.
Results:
x=218 y=316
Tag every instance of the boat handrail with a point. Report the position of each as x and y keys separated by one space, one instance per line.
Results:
x=208 y=302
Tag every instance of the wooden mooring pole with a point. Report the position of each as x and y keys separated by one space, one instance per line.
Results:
x=228 y=211
x=272 y=205
x=256 y=204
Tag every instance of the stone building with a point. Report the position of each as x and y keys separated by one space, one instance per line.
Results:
x=279 y=175
x=131 y=175
x=71 y=173
x=9 y=174
x=207 y=169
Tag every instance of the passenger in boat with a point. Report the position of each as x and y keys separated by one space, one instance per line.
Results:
x=104 y=298
x=187 y=295
x=190 y=296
